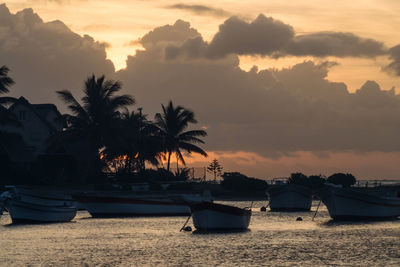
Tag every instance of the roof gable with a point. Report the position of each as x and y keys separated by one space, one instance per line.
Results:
x=40 y=110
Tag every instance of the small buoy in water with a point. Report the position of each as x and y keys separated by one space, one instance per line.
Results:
x=299 y=219
x=187 y=229
x=263 y=208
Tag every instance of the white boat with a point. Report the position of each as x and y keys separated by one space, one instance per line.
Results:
x=289 y=197
x=27 y=205
x=355 y=204
x=24 y=212
x=42 y=197
x=118 y=206
x=212 y=216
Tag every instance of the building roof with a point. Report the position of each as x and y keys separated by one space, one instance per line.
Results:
x=40 y=110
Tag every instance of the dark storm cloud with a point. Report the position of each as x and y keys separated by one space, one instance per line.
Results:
x=201 y=10
x=266 y=36
x=394 y=66
x=45 y=57
x=271 y=112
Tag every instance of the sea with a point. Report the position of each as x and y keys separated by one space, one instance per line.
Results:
x=273 y=239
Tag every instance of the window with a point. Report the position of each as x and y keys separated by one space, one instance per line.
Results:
x=22 y=115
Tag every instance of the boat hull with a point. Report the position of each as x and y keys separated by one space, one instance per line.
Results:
x=290 y=197
x=211 y=216
x=122 y=207
x=348 y=204
x=22 y=212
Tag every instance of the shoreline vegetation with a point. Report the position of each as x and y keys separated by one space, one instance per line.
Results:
x=105 y=144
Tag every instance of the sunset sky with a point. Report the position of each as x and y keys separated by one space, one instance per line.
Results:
x=280 y=86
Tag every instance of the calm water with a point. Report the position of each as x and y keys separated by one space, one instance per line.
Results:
x=275 y=239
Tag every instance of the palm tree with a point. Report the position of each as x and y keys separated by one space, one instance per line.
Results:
x=95 y=121
x=6 y=117
x=172 y=124
x=5 y=80
x=137 y=142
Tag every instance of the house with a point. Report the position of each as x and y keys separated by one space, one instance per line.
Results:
x=37 y=123
x=16 y=158
x=27 y=147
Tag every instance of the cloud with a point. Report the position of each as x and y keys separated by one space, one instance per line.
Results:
x=201 y=9
x=269 y=112
x=47 y=56
x=266 y=36
x=338 y=44
x=394 y=66
x=169 y=34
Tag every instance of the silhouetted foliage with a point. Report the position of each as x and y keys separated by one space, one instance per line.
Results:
x=172 y=123
x=298 y=178
x=346 y=180
x=215 y=168
x=5 y=80
x=182 y=174
x=95 y=121
x=313 y=181
x=241 y=183
x=6 y=117
x=137 y=142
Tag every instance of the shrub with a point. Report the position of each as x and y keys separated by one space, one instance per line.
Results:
x=238 y=182
x=346 y=180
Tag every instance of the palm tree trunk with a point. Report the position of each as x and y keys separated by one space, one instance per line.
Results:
x=169 y=159
x=177 y=170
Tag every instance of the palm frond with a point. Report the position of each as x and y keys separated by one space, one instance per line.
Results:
x=5 y=80
x=192 y=148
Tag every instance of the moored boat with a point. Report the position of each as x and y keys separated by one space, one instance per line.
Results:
x=290 y=197
x=42 y=197
x=32 y=206
x=213 y=216
x=120 y=206
x=24 y=212
x=354 y=204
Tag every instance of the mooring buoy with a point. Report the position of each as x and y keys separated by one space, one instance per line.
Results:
x=299 y=219
x=263 y=208
x=187 y=229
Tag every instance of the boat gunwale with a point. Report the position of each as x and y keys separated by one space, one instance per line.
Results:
x=220 y=208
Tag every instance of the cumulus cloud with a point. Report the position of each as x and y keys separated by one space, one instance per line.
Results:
x=201 y=10
x=47 y=56
x=266 y=36
x=270 y=112
x=394 y=66
x=176 y=34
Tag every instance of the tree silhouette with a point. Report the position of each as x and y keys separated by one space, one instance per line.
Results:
x=5 y=80
x=96 y=120
x=137 y=142
x=215 y=168
x=172 y=123
x=6 y=117
x=298 y=178
x=346 y=180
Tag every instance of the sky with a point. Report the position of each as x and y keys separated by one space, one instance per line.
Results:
x=280 y=86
